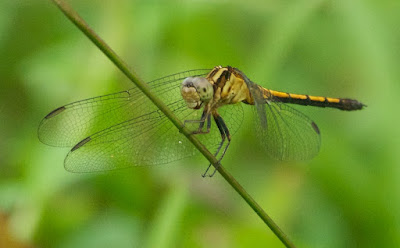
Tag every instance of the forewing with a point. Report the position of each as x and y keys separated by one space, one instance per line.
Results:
x=69 y=124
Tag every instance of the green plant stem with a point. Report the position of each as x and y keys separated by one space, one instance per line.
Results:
x=84 y=27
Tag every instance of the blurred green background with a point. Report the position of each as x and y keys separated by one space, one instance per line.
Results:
x=348 y=196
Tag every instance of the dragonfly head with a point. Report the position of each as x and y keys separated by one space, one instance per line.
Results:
x=196 y=91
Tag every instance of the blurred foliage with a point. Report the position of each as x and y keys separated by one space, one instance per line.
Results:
x=346 y=197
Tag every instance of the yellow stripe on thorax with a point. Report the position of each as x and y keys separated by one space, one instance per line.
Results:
x=216 y=73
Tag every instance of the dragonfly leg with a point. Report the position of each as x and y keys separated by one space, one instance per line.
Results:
x=205 y=173
x=219 y=160
x=205 y=116
x=215 y=154
x=225 y=135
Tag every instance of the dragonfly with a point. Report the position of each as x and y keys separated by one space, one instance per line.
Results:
x=126 y=129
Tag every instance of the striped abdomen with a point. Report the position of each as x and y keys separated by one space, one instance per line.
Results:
x=318 y=101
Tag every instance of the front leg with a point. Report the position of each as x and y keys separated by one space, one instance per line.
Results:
x=205 y=116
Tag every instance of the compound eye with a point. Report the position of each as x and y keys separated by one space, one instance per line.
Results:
x=188 y=82
x=204 y=88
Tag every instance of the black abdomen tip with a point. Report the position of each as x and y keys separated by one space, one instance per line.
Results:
x=350 y=104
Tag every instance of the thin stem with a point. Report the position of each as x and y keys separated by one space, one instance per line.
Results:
x=84 y=27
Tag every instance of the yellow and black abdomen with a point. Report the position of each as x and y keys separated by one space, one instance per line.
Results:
x=318 y=101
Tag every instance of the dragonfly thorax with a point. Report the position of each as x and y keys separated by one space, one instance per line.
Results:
x=195 y=91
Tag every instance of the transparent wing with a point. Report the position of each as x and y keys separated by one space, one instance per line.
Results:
x=125 y=129
x=289 y=135
x=285 y=132
x=69 y=124
x=146 y=140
